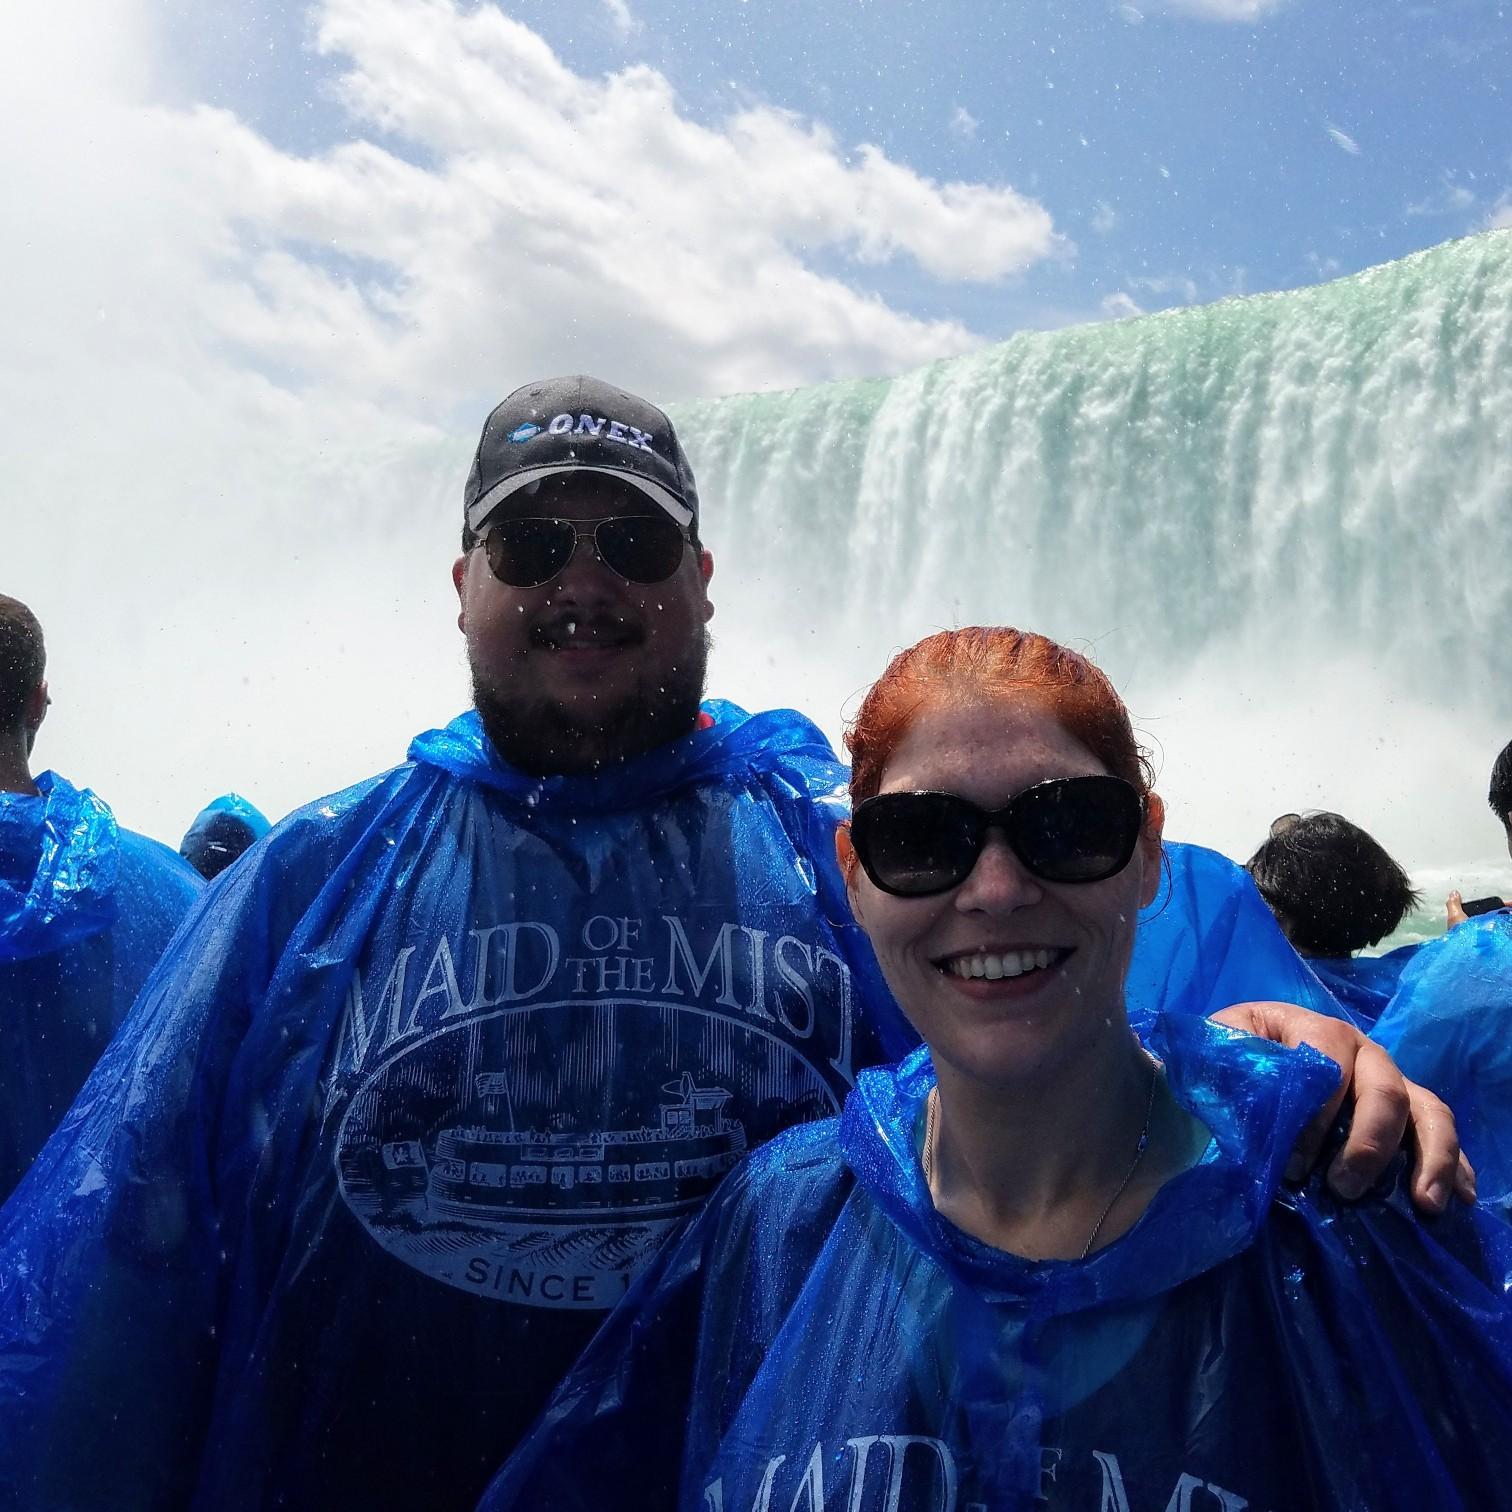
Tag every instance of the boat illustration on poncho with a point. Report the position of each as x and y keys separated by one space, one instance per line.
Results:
x=486 y=1169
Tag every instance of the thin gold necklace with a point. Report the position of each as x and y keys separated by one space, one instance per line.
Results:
x=933 y=1100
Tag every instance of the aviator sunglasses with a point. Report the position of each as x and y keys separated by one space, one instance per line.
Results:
x=639 y=548
x=1071 y=829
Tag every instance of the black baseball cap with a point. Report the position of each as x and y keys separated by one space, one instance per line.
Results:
x=578 y=424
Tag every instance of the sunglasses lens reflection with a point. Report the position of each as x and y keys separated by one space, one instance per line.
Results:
x=1079 y=830
x=1076 y=829
x=916 y=843
x=527 y=553
x=641 y=548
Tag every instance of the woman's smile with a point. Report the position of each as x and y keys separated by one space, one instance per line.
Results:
x=1004 y=974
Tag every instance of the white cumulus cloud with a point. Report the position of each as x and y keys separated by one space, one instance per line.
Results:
x=1173 y=285
x=1223 y=10
x=963 y=123
x=1450 y=198
x=1500 y=215
x=1121 y=306
x=622 y=17
x=546 y=191
x=248 y=376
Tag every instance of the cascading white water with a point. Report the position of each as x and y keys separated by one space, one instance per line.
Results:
x=1282 y=523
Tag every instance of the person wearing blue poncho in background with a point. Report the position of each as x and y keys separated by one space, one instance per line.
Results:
x=442 y=1061
x=1033 y=1266
x=85 y=911
x=1335 y=891
x=1449 y=1021
x=1499 y=796
x=1449 y=1025
x=224 y=830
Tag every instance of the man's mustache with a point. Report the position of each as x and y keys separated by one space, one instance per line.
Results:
x=560 y=629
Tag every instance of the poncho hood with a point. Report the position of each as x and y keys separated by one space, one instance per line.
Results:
x=1254 y=1098
x=58 y=864
x=229 y=808
x=735 y=742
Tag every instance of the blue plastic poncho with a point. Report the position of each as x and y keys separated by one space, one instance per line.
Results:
x=820 y=1339
x=224 y=830
x=1364 y=985
x=423 y=1087
x=1208 y=940
x=1449 y=1026
x=86 y=909
x=419 y=1090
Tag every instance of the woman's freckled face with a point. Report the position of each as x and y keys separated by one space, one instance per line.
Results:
x=999 y=1029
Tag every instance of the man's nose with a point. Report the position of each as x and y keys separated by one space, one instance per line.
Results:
x=999 y=882
x=584 y=573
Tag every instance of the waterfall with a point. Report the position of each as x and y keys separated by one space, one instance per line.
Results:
x=1282 y=523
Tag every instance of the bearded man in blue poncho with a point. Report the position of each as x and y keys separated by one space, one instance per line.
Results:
x=443 y=1060
x=85 y=911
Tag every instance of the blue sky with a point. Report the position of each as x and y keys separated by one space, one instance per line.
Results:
x=1185 y=152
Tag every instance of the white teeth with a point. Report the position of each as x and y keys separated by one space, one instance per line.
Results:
x=994 y=968
x=571 y=628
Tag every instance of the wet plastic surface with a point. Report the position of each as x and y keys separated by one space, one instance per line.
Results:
x=431 y=1076
x=1208 y=940
x=86 y=909
x=1364 y=985
x=1449 y=1026
x=426 y=1081
x=821 y=1339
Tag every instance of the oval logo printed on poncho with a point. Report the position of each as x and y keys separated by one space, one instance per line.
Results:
x=540 y=1154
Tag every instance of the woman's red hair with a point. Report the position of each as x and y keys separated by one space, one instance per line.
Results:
x=985 y=662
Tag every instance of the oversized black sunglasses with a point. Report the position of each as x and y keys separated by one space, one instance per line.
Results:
x=639 y=548
x=1071 y=829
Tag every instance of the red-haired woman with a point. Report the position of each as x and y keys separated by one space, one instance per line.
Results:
x=1034 y=1266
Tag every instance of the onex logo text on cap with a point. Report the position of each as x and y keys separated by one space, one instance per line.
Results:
x=579 y=425
x=594 y=425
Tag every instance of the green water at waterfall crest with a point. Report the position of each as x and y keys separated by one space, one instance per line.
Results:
x=1304 y=494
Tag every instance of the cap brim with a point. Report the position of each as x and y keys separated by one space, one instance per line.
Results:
x=485 y=504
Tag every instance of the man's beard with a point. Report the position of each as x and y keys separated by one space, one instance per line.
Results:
x=547 y=738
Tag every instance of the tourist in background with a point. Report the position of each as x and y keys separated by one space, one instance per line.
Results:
x=1335 y=892
x=222 y=831
x=1499 y=796
x=1449 y=1022
x=86 y=908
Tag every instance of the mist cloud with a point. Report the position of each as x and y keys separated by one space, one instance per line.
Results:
x=241 y=382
